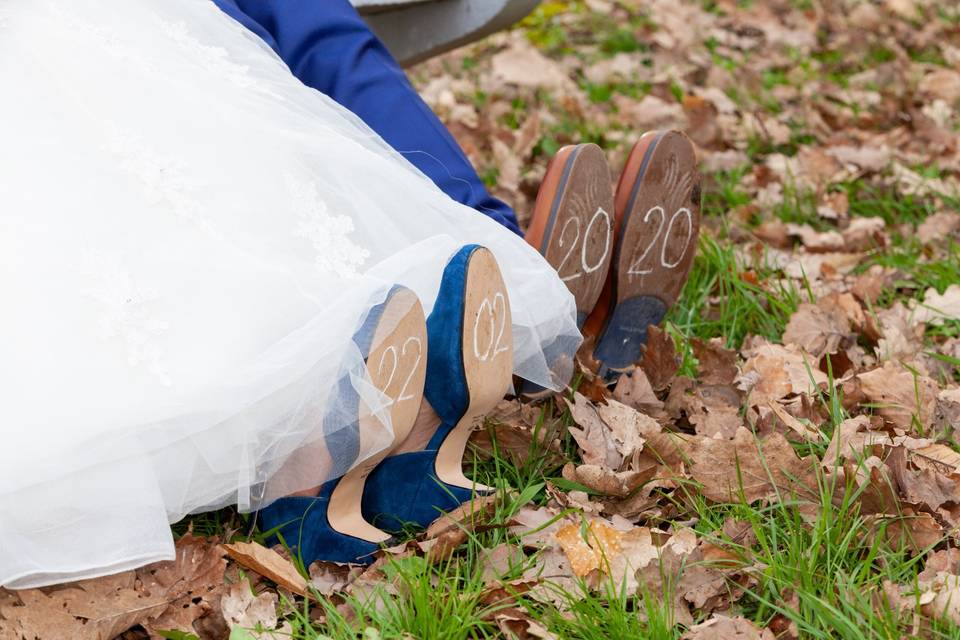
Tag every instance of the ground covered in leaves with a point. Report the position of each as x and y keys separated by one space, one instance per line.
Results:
x=783 y=464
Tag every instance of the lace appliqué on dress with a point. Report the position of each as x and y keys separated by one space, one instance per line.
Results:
x=215 y=59
x=99 y=35
x=126 y=313
x=328 y=233
x=164 y=180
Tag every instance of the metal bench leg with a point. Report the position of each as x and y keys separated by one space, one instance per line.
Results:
x=419 y=31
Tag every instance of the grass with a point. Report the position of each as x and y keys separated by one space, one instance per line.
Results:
x=822 y=560
x=443 y=602
x=213 y=523
x=609 y=615
x=916 y=268
x=724 y=297
x=915 y=272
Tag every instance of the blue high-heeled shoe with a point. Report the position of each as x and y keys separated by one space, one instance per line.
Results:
x=329 y=526
x=469 y=366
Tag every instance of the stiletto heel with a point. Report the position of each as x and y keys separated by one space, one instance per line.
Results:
x=469 y=367
x=330 y=526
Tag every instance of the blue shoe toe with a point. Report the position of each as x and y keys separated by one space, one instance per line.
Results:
x=301 y=523
x=404 y=490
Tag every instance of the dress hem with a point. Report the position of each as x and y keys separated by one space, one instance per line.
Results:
x=36 y=579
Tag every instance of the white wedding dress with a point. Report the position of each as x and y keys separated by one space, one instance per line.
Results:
x=189 y=239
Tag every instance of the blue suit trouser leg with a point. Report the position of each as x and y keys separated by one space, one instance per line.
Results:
x=329 y=47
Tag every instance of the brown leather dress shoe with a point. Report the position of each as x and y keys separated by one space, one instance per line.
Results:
x=656 y=226
x=572 y=223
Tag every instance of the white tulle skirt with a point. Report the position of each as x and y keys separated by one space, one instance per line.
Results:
x=189 y=237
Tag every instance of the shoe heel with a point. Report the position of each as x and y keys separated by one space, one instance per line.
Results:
x=620 y=345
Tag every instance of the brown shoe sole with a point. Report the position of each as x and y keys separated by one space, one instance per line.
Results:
x=657 y=224
x=572 y=222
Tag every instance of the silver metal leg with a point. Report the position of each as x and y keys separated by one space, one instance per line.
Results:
x=415 y=30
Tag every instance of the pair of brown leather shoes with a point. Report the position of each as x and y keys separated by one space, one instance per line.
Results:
x=625 y=254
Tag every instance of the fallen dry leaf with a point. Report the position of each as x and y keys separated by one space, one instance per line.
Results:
x=328 y=578
x=805 y=431
x=937 y=592
x=660 y=360
x=519 y=432
x=938 y=457
x=611 y=434
x=721 y=627
x=37 y=615
x=917 y=532
x=618 y=484
x=864 y=233
x=628 y=426
x=927 y=487
x=717 y=365
x=452 y=529
x=635 y=390
x=772 y=373
x=817 y=241
x=817 y=330
x=901 y=335
x=515 y=623
x=756 y=469
x=191 y=584
x=521 y=64
x=97 y=609
x=852 y=440
x=588 y=547
x=900 y=395
x=717 y=422
x=937 y=309
x=869 y=158
x=938 y=227
x=596 y=442
x=269 y=564
x=651 y=112
x=244 y=609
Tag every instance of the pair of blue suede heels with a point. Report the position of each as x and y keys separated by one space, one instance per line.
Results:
x=466 y=371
